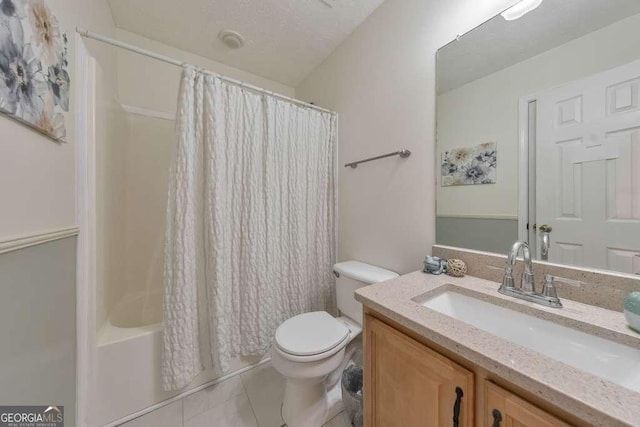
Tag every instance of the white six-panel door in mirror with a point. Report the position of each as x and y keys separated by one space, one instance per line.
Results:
x=588 y=169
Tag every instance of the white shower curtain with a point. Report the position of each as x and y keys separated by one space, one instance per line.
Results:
x=251 y=223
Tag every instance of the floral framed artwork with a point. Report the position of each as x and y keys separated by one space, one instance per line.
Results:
x=34 y=77
x=470 y=166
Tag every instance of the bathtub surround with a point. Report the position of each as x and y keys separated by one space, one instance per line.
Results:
x=135 y=199
x=250 y=233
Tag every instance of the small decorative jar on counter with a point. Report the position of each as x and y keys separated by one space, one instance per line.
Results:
x=632 y=310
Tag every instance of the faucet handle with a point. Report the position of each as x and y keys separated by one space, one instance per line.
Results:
x=549 y=289
x=551 y=278
x=507 y=279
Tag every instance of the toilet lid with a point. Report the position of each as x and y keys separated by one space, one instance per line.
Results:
x=310 y=333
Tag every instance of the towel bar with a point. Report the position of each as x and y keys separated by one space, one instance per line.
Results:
x=402 y=153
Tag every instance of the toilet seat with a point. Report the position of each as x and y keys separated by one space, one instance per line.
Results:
x=311 y=336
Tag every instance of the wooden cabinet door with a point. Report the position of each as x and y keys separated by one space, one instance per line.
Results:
x=407 y=384
x=505 y=409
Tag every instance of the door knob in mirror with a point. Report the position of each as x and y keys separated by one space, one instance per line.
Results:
x=546 y=242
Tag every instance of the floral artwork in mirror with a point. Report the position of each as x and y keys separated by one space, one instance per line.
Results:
x=34 y=77
x=470 y=166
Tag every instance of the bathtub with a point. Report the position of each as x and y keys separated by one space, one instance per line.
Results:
x=128 y=359
x=128 y=356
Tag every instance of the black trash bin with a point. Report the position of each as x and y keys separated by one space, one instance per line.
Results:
x=352 y=392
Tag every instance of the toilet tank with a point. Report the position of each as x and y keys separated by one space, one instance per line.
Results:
x=352 y=275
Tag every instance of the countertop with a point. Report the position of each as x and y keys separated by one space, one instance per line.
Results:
x=595 y=400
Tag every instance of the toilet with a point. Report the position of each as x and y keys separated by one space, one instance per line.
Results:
x=311 y=350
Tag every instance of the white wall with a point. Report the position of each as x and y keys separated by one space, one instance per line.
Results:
x=488 y=107
x=37 y=188
x=382 y=82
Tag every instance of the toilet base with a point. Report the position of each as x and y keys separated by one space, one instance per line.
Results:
x=310 y=405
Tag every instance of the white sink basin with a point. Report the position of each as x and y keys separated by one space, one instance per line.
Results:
x=615 y=362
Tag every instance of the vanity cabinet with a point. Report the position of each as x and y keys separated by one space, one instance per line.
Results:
x=505 y=409
x=408 y=384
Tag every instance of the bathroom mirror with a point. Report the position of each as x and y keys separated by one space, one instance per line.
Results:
x=538 y=134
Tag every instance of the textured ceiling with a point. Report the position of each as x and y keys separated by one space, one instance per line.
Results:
x=498 y=43
x=284 y=39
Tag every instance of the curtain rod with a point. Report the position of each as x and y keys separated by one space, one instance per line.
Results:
x=168 y=60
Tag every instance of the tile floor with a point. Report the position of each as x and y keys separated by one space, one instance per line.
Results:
x=251 y=399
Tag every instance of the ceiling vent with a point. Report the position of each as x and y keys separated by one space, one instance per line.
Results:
x=231 y=39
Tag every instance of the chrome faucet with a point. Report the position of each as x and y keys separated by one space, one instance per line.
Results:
x=526 y=290
x=527 y=282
